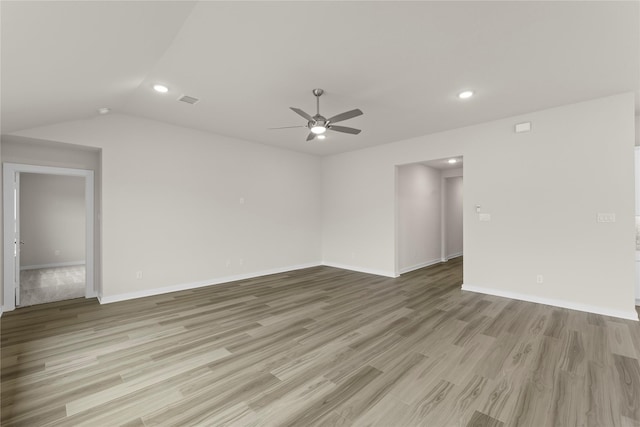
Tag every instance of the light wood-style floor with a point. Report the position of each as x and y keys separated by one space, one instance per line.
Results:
x=320 y=346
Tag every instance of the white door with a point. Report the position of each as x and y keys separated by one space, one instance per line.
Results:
x=17 y=243
x=637 y=171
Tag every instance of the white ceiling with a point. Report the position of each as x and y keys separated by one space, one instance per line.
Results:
x=401 y=63
x=443 y=164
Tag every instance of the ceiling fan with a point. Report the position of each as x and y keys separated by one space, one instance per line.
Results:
x=318 y=124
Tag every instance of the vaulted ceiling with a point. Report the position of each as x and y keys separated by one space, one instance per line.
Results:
x=401 y=63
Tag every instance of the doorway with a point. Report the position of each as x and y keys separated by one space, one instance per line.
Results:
x=452 y=226
x=48 y=234
x=429 y=212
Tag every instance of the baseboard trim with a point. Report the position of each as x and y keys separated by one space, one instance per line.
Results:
x=0 y=311
x=194 y=285
x=637 y=301
x=421 y=265
x=629 y=315
x=361 y=270
x=52 y=265
x=452 y=256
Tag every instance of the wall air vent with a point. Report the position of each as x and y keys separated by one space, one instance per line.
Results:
x=188 y=99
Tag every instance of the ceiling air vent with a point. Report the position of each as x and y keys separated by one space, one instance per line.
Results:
x=188 y=99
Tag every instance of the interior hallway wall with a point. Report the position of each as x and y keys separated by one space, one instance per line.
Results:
x=418 y=216
x=453 y=202
x=52 y=220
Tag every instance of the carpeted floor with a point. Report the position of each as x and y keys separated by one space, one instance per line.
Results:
x=51 y=284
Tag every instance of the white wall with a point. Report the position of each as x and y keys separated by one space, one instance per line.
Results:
x=450 y=173
x=453 y=199
x=543 y=190
x=172 y=204
x=419 y=219
x=52 y=220
x=173 y=195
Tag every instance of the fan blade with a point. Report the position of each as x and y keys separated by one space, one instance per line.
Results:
x=346 y=115
x=288 y=127
x=302 y=113
x=311 y=136
x=344 y=129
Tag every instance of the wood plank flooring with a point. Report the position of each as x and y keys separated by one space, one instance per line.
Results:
x=319 y=346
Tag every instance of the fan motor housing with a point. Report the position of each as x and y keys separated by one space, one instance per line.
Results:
x=317 y=121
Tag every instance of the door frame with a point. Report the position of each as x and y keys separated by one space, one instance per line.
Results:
x=444 y=217
x=9 y=263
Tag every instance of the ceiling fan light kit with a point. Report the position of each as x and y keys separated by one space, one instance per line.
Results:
x=318 y=129
x=318 y=124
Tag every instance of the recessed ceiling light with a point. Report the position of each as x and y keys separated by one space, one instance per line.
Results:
x=161 y=88
x=104 y=110
x=452 y=161
x=321 y=136
x=465 y=94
